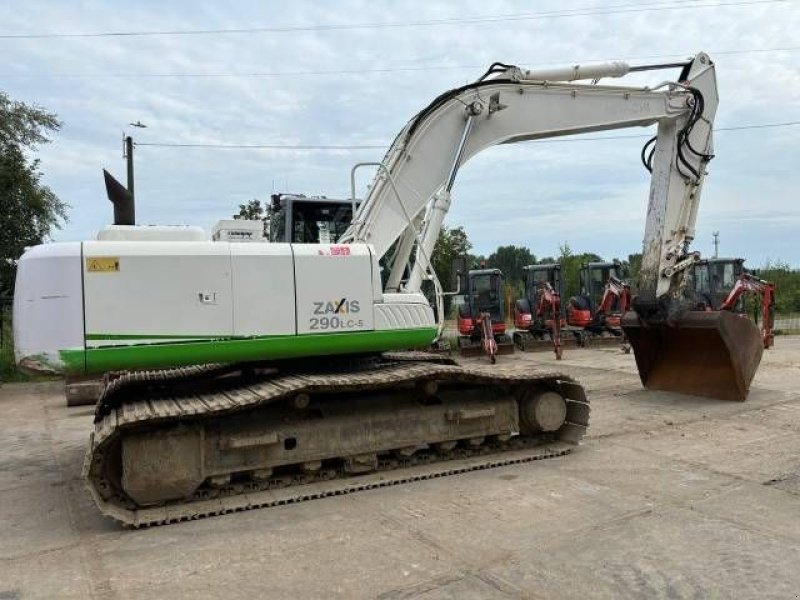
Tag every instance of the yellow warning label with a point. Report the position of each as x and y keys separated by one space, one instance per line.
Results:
x=102 y=264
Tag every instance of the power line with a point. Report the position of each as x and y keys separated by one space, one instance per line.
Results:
x=563 y=13
x=259 y=146
x=370 y=70
x=758 y=126
x=383 y=147
x=647 y=135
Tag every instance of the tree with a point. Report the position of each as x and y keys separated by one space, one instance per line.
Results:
x=571 y=267
x=251 y=210
x=634 y=266
x=476 y=261
x=452 y=243
x=787 y=285
x=29 y=210
x=511 y=260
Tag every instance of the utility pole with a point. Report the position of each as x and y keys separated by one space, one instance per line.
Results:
x=127 y=154
x=716 y=244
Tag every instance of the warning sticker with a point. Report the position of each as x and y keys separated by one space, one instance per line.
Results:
x=102 y=264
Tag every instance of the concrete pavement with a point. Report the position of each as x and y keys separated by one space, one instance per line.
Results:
x=669 y=497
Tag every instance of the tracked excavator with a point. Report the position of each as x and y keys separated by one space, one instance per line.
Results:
x=481 y=317
x=723 y=284
x=540 y=317
x=604 y=296
x=259 y=374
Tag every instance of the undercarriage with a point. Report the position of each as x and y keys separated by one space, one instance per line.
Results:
x=199 y=441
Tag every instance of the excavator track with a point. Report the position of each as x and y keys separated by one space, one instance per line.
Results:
x=150 y=423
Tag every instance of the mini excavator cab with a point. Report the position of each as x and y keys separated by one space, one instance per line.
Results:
x=593 y=279
x=714 y=279
x=483 y=295
x=537 y=275
x=481 y=317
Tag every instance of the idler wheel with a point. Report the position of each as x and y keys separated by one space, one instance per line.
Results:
x=542 y=411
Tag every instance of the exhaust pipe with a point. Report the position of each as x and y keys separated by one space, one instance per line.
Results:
x=713 y=354
x=122 y=199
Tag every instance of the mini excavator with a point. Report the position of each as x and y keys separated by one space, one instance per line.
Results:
x=540 y=318
x=598 y=308
x=481 y=317
x=723 y=283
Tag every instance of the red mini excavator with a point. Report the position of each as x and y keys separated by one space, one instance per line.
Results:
x=481 y=318
x=598 y=309
x=539 y=318
x=748 y=283
x=722 y=283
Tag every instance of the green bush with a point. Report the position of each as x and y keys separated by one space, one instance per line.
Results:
x=8 y=366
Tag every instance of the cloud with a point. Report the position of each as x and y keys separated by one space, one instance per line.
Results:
x=592 y=194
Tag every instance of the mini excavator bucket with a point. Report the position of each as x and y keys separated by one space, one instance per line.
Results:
x=713 y=354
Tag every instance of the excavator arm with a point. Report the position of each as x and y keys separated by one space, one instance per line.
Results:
x=750 y=284
x=410 y=195
x=548 y=308
x=615 y=290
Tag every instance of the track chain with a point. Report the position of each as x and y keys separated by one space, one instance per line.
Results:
x=137 y=400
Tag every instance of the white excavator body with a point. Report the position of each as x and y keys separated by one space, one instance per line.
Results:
x=153 y=297
x=100 y=306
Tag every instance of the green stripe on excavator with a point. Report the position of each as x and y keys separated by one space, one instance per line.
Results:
x=161 y=355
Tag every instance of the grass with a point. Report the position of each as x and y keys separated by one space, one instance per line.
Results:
x=8 y=366
x=787 y=324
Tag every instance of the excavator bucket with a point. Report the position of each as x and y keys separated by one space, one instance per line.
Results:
x=713 y=354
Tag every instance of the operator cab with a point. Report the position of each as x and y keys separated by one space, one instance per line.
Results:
x=481 y=317
x=593 y=279
x=485 y=293
x=714 y=279
x=301 y=219
x=537 y=275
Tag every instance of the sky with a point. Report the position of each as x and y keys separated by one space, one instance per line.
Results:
x=354 y=72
